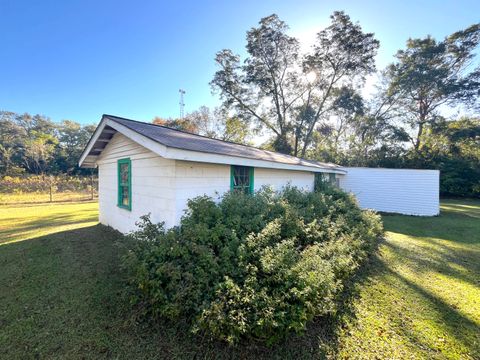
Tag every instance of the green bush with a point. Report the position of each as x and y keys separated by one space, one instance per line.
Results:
x=257 y=266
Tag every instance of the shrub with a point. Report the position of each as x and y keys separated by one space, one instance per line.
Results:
x=257 y=266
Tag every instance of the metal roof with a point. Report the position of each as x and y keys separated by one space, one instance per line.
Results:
x=193 y=142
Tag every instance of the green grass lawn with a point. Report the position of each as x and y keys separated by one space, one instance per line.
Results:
x=62 y=294
x=21 y=222
x=38 y=197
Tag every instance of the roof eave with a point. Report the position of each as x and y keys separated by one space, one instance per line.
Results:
x=170 y=152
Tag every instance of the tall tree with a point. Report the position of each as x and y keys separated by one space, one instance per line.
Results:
x=72 y=139
x=177 y=124
x=453 y=147
x=11 y=143
x=289 y=93
x=39 y=150
x=216 y=123
x=430 y=74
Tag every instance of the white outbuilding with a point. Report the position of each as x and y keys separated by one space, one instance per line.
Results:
x=146 y=168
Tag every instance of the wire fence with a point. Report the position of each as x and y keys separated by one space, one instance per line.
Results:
x=47 y=188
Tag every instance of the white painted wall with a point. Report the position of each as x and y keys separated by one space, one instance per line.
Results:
x=404 y=191
x=196 y=179
x=153 y=185
x=278 y=179
x=162 y=186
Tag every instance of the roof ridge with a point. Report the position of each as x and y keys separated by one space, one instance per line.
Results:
x=224 y=141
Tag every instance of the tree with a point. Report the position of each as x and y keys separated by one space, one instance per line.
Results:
x=453 y=147
x=373 y=137
x=35 y=124
x=39 y=150
x=6 y=158
x=177 y=124
x=72 y=139
x=288 y=93
x=38 y=145
x=11 y=137
x=430 y=74
x=235 y=130
x=217 y=124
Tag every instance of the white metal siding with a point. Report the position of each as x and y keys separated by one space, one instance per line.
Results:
x=153 y=185
x=404 y=191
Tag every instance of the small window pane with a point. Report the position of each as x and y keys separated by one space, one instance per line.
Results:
x=125 y=199
x=124 y=173
x=241 y=178
x=331 y=179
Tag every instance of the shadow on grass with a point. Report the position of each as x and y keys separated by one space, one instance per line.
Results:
x=450 y=226
x=467 y=207
x=63 y=295
x=57 y=292
x=433 y=260
x=19 y=229
x=323 y=336
x=453 y=322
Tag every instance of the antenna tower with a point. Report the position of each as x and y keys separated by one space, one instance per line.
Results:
x=182 y=104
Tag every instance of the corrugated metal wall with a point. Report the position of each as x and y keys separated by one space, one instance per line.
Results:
x=403 y=191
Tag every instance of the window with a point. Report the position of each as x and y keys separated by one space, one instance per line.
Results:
x=125 y=184
x=323 y=180
x=241 y=179
x=332 y=179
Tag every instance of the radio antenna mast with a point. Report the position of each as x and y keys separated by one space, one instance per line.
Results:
x=182 y=104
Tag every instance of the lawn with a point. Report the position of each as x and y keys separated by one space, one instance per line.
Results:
x=26 y=221
x=62 y=294
x=37 y=197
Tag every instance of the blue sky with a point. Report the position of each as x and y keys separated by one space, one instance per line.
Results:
x=79 y=59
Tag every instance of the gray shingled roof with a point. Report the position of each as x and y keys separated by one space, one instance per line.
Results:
x=187 y=141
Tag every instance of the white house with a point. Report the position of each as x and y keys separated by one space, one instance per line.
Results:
x=145 y=168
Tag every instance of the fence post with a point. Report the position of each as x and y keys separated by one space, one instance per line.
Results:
x=91 y=182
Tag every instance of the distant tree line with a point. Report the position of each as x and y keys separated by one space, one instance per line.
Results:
x=33 y=144
x=423 y=112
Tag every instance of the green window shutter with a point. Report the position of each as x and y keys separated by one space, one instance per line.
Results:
x=251 y=189
x=124 y=172
x=242 y=179
x=232 y=174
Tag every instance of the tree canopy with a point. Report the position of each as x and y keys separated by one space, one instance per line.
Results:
x=37 y=145
x=216 y=123
x=431 y=74
x=289 y=93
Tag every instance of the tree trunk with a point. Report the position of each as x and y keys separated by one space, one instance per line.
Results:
x=419 y=136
